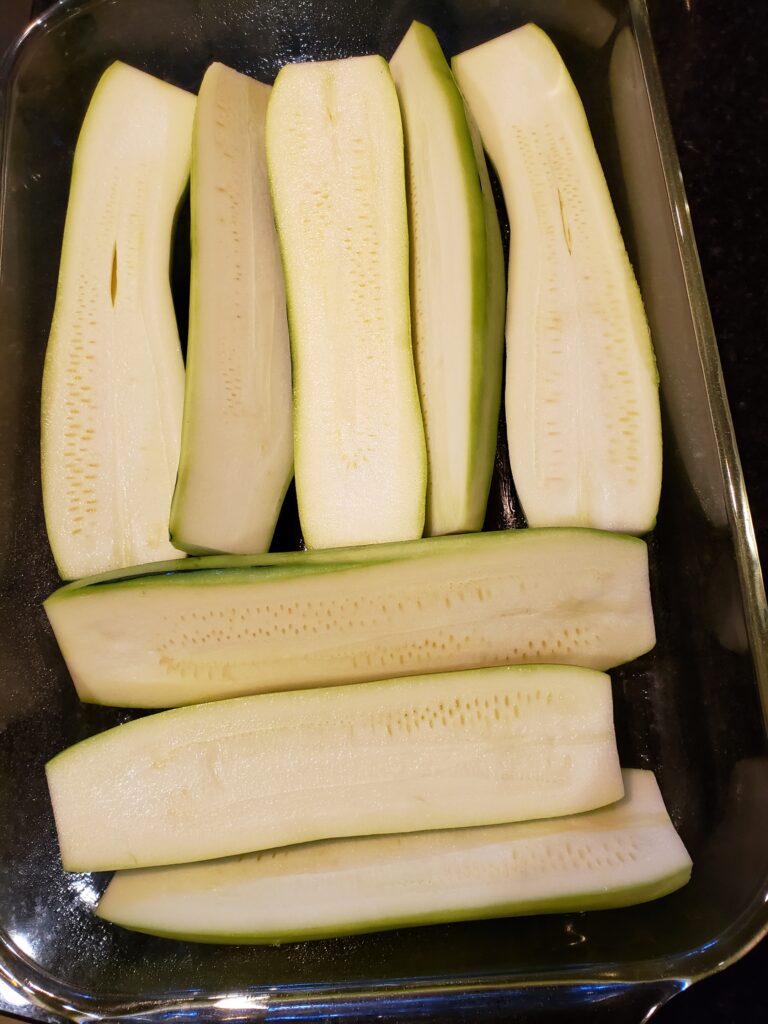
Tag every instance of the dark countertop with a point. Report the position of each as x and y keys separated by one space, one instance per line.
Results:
x=713 y=56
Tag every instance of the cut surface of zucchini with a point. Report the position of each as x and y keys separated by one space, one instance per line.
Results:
x=566 y=596
x=618 y=855
x=335 y=152
x=237 y=439
x=429 y=752
x=582 y=404
x=457 y=285
x=113 y=384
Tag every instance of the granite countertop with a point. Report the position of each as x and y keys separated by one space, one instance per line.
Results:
x=713 y=56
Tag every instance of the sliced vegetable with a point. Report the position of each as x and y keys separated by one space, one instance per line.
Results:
x=113 y=384
x=581 y=391
x=237 y=440
x=429 y=752
x=565 y=596
x=457 y=285
x=335 y=151
x=626 y=853
x=361 y=555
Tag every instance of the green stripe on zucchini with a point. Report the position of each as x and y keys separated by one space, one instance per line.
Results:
x=457 y=285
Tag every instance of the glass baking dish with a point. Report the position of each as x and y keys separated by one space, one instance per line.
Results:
x=694 y=710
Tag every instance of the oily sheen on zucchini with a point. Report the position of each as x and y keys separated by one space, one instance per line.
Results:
x=565 y=596
x=582 y=402
x=457 y=285
x=335 y=152
x=113 y=384
x=237 y=439
x=626 y=853
x=428 y=752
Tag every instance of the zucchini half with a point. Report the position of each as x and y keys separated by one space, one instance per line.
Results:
x=113 y=384
x=626 y=853
x=565 y=596
x=237 y=440
x=582 y=401
x=335 y=153
x=468 y=748
x=457 y=285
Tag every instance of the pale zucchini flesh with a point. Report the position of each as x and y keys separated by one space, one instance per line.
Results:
x=457 y=285
x=237 y=438
x=582 y=404
x=113 y=383
x=618 y=855
x=335 y=154
x=428 y=752
x=565 y=596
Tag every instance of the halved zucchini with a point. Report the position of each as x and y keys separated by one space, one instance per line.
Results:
x=237 y=440
x=361 y=555
x=582 y=401
x=457 y=285
x=113 y=384
x=468 y=748
x=335 y=152
x=626 y=853
x=566 y=596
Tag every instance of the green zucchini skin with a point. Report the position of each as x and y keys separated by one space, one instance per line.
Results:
x=237 y=439
x=113 y=380
x=335 y=156
x=615 y=856
x=209 y=564
x=468 y=601
x=457 y=285
x=430 y=752
x=581 y=400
